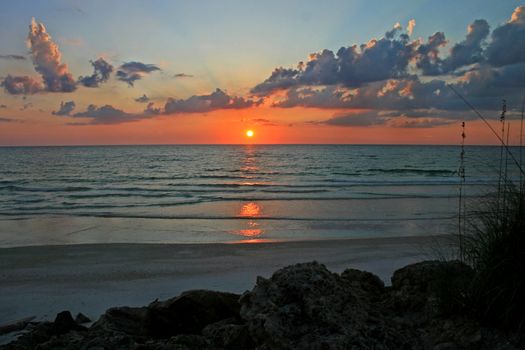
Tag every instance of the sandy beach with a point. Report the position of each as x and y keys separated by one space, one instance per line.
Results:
x=41 y=281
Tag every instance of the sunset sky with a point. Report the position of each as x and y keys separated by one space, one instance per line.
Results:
x=177 y=72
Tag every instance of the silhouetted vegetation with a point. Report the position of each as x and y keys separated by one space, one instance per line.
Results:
x=494 y=246
x=491 y=240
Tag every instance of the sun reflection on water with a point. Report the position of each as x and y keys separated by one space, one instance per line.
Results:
x=250 y=211
x=250 y=228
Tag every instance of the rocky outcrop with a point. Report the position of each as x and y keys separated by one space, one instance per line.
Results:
x=304 y=306
x=190 y=312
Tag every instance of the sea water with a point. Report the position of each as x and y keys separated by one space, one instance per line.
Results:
x=234 y=193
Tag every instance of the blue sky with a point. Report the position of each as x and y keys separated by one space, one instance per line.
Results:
x=228 y=42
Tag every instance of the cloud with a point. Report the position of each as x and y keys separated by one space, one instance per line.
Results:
x=464 y=53
x=183 y=75
x=484 y=88
x=428 y=54
x=46 y=58
x=13 y=57
x=412 y=89
x=152 y=110
x=6 y=120
x=508 y=41
x=410 y=27
x=263 y=121
x=207 y=103
x=3 y=106
x=386 y=118
x=18 y=85
x=106 y=114
x=354 y=119
x=109 y=114
x=65 y=108
x=101 y=73
x=404 y=122
x=377 y=60
x=396 y=57
x=132 y=71
x=142 y=99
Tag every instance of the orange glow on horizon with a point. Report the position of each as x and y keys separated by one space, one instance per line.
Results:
x=286 y=126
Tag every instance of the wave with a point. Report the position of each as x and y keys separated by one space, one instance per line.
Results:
x=240 y=218
x=428 y=172
x=38 y=189
x=224 y=177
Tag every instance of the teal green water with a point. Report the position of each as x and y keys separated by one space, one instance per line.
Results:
x=233 y=193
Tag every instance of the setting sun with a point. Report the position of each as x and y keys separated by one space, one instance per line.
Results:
x=249 y=133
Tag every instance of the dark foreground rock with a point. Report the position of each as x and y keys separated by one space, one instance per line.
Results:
x=303 y=306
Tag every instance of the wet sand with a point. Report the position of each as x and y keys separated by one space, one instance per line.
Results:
x=89 y=278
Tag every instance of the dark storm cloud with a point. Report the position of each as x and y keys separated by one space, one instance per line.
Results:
x=207 y=103
x=101 y=73
x=65 y=108
x=13 y=57
x=132 y=71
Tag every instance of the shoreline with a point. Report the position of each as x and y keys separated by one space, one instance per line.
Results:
x=89 y=278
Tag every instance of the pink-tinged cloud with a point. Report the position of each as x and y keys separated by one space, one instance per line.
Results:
x=410 y=27
x=46 y=58
x=21 y=85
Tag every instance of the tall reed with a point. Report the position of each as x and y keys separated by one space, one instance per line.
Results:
x=493 y=240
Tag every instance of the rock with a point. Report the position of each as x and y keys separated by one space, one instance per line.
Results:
x=305 y=306
x=64 y=323
x=190 y=312
x=430 y=285
x=228 y=335
x=81 y=318
x=40 y=333
x=187 y=342
x=365 y=283
x=127 y=320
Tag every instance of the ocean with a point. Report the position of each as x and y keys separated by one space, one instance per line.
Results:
x=233 y=193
